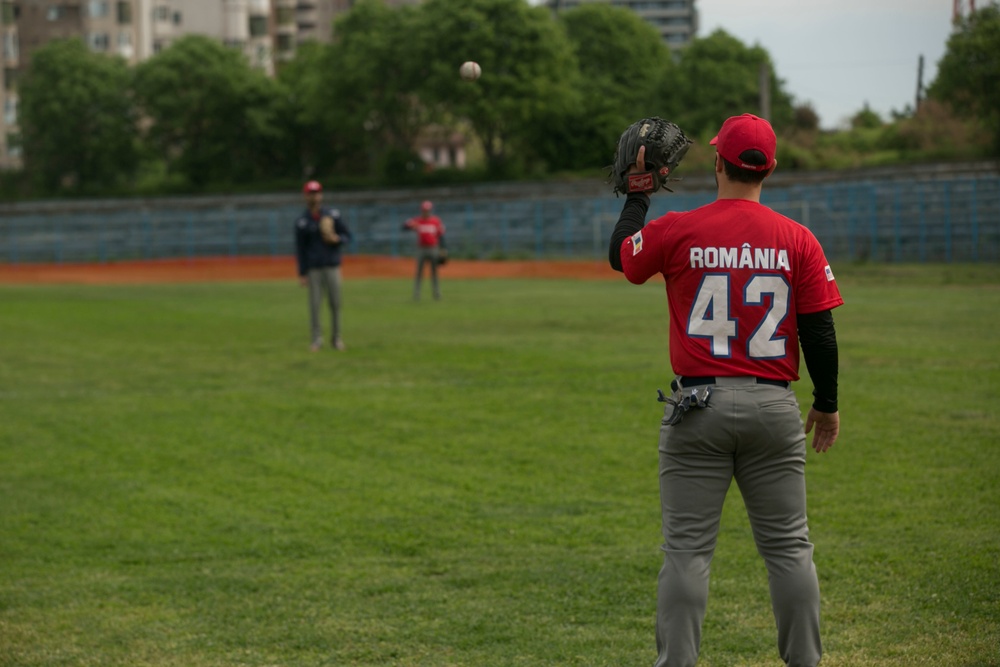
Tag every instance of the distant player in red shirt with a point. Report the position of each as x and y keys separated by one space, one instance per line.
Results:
x=745 y=286
x=431 y=247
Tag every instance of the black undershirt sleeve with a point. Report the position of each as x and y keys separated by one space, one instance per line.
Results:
x=631 y=220
x=818 y=338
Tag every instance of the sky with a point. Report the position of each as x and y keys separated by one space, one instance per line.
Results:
x=840 y=55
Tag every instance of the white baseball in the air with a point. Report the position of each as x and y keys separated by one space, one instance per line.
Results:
x=470 y=70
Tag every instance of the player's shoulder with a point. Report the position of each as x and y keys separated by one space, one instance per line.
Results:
x=768 y=217
x=669 y=219
x=332 y=212
x=794 y=229
x=776 y=217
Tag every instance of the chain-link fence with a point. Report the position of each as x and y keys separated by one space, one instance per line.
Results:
x=935 y=220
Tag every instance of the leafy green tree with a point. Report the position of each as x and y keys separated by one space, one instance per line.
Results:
x=934 y=132
x=717 y=77
x=213 y=118
x=621 y=62
x=528 y=72
x=375 y=83
x=866 y=119
x=78 y=122
x=620 y=55
x=357 y=100
x=804 y=117
x=313 y=135
x=968 y=76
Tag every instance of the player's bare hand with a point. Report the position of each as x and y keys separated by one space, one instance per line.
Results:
x=827 y=425
x=640 y=162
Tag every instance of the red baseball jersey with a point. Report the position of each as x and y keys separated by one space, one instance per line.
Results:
x=429 y=229
x=737 y=274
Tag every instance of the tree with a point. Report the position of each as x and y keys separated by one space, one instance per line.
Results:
x=968 y=76
x=213 y=118
x=374 y=83
x=621 y=62
x=866 y=119
x=528 y=71
x=804 y=117
x=934 y=132
x=78 y=122
x=717 y=77
x=314 y=136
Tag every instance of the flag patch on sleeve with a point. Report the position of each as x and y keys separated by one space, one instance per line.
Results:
x=637 y=243
x=829 y=273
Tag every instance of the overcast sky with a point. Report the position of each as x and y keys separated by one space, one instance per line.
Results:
x=840 y=54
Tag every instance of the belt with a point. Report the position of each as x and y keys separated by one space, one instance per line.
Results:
x=698 y=381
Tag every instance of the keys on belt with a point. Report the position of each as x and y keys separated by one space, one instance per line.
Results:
x=695 y=392
x=690 y=398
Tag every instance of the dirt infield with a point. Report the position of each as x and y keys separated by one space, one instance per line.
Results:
x=283 y=268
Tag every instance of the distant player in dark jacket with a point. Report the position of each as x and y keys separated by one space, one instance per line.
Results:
x=320 y=236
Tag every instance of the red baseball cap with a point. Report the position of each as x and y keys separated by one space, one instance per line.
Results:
x=744 y=133
x=426 y=206
x=312 y=186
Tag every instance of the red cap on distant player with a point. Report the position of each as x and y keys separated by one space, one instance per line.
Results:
x=312 y=186
x=744 y=133
x=426 y=206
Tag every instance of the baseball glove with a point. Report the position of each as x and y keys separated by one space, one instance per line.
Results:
x=442 y=257
x=326 y=230
x=665 y=145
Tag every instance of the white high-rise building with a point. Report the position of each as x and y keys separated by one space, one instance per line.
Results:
x=245 y=25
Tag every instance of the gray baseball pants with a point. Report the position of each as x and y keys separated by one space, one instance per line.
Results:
x=427 y=255
x=754 y=434
x=326 y=281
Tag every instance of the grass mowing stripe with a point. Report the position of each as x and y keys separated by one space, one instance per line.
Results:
x=472 y=483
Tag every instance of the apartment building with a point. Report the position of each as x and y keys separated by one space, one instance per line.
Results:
x=268 y=33
x=245 y=25
x=316 y=16
x=107 y=26
x=676 y=20
x=131 y=29
x=10 y=58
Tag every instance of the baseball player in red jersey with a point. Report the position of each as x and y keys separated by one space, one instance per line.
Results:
x=431 y=246
x=745 y=286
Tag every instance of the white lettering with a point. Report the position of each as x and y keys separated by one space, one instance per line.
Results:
x=783 y=261
x=711 y=258
x=727 y=258
x=697 y=258
x=745 y=257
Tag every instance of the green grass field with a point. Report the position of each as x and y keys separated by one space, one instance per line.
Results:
x=472 y=483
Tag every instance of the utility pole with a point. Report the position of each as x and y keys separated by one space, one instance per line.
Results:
x=920 y=83
x=764 y=84
x=958 y=9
